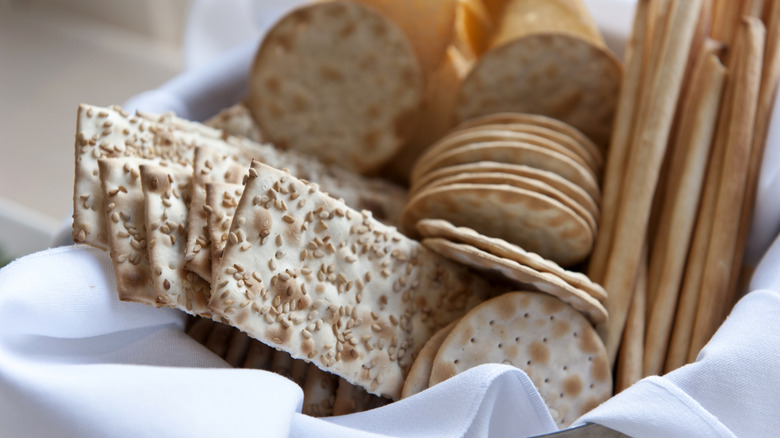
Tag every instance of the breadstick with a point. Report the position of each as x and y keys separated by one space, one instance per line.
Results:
x=648 y=147
x=717 y=270
x=678 y=215
x=629 y=366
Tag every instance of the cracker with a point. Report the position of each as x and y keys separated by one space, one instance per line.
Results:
x=502 y=248
x=420 y=373
x=535 y=222
x=521 y=275
x=236 y=120
x=319 y=392
x=221 y=202
x=556 y=75
x=553 y=344
x=509 y=118
x=570 y=189
x=339 y=81
x=351 y=399
x=112 y=133
x=166 y=205
x=126 y=228
x=308 y=275
x=522 y=183
x=514 y=153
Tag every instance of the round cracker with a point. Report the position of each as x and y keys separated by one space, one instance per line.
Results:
x=420 y=372
x=523 y=183
x=556 y=75
x=502 y=248
x=573 y=191
x=552 y=343
x=531 y=220
x=337 y=80
x=515 y=153
x=523 y=276
x=478 y=135
x=507 y=118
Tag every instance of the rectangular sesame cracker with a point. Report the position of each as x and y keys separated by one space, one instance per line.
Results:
x=167 y=195
x=236 y=120
x=306 y=274
x=221 y=202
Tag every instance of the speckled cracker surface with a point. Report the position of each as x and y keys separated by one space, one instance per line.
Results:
x=552 y=343
x=166 y=206
x=221 y=202
x=311 y=276
x=236 y=120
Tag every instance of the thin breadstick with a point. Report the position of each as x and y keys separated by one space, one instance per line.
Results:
x=724 y=20
x=753 y=8
x=636 y=54
x=717 y=271
x=629 y=366
x=648 y=149
x=766 y=99
x=678 y=216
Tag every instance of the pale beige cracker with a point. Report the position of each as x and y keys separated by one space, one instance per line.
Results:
x=319 y=392
x=514 y=153
x=531 y=184
x=308 y=275
x=236 y=120
x=556 y=75
x=521 y=276
x=351 y=399
x=535 y=222
x=420 y=373
x=221 y=202
x=510 y=118
x=167 y=195
x=126 y=228
x=482 y=135
x=340 y=81
x=552 y=343
x=570 y=189
x=504 y=249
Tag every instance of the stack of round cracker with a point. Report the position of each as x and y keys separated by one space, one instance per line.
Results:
x=512 y=264
x=528 y=179
x=558 y=349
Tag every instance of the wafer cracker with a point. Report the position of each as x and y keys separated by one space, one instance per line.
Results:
x=236 y=120
x=221 y=202
x=319 y=392
x=112 y=133
x=514 y=153
x=502 y=248
x=344 y=291
x=530 y=220
x=484 y=135
x=126 y=231
x=166 y=205
x=553 y=344
x=522 y=183
x=313 y=85
x=420 y=373
x=351 y=399
x=510 y=118
x=570 y=189
x=521 y=275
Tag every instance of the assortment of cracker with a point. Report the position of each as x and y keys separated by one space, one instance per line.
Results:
x=405 y=196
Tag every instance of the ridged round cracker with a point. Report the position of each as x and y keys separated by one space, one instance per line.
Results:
x=501 y=248
x=552 y=343
x=572 y=148
x=420 y=372
x=508 y=118
x=572 y=190
x=556 y=75
x=475 y=136
x=521 y=182
x=533 y=221
x=523 y=276
x=516 y=153
x=337 y=80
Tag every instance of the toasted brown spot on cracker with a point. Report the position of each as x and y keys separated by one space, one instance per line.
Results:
x=538 y=352
x=263 y=222
x=572 y=385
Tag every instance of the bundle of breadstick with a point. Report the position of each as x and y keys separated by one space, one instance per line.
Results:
x=681 y=175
